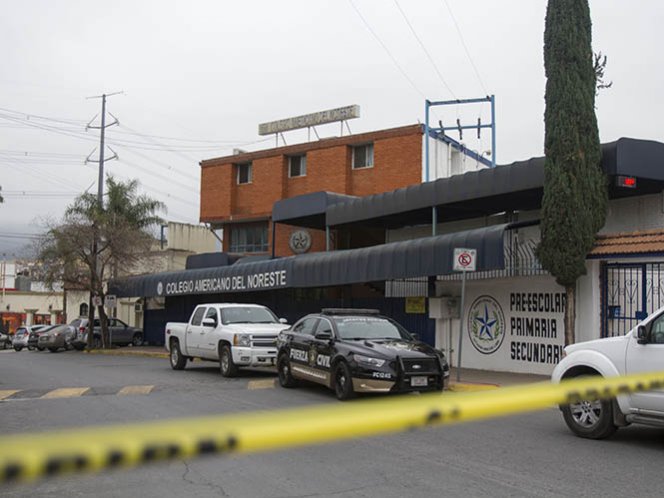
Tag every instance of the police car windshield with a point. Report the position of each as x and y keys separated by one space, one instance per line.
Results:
x=366 y=327
x=241 y=314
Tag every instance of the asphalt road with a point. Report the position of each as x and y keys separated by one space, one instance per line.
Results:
x=527 y=455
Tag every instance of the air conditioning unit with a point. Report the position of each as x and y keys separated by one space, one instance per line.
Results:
x=138 y=307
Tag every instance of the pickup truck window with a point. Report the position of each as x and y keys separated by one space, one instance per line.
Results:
x=657 y=331
x=212 y=313
x=241 y=314
x=198 y=316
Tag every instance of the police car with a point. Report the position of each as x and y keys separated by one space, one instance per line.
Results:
x=358 y=351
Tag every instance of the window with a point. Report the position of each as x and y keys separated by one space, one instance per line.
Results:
x=306 y=326
x=325 y=326
x=297 y=166
x=198 y=316
x=657 y=331
x=212 y=313
x=252 y=238
x=83 y=309
x=243 y=173
x=247 y=314
x=363 y=156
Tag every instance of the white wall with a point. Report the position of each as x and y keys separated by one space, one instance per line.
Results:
x=526 y=328
x=194 y=238
x=635 y=213
x=445 y=160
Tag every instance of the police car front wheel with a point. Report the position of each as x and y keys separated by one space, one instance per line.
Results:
x=286 y=378
x=343 y=382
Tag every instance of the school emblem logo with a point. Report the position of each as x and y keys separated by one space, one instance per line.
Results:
x=160 y=288
x=312 y=357
x=486 y=325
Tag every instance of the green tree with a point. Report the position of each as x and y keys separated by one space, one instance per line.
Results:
x=92 y=242
x=575 y=188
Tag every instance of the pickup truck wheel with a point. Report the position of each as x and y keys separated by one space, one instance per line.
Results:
x=286 y=378
x=590 y=419
x=178 y=361
x=343 y=382
x=226 y=365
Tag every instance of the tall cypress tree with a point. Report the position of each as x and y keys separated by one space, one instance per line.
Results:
x=575 y=189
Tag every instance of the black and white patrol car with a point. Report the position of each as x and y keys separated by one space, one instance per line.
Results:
x=358 y=351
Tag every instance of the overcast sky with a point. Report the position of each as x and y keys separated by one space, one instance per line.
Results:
x=199 y=76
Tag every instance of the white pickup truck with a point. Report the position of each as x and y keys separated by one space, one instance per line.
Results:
x=640 y=350
x=235 y=335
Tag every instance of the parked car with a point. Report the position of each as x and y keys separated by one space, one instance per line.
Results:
x=33 y=338
x=358 y=351
x=56 y=337
x=22 y=336
x=640 y=350
x=120 y=333
x=5 y=340
x=235 y=335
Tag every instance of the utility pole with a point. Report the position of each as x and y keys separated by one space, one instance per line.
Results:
x=94 y=273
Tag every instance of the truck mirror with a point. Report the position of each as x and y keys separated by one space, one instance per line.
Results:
x=209 y=322
x=642 y=334
x=283 y=320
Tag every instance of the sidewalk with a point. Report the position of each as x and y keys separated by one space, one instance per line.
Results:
x=471 y=379
x=480 y=380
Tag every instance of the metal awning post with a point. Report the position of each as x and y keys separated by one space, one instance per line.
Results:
x=274 y=236
x=434 y=221
x=327 y=237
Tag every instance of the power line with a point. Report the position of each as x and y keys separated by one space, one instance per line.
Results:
x=387 y=50
x=424 y=48
x=458 y=29
x=45 y=118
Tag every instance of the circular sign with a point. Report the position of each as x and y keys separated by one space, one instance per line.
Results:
x=300 y=241
x=160 y=288
x=486 y=325
x=465 y=259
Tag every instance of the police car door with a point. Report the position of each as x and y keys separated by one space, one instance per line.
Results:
x=320 y=351
x=299 y=348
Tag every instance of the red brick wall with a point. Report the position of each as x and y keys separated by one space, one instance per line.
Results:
x=397 y=163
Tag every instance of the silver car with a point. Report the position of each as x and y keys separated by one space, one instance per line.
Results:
x=56 y=337
x=22 y=335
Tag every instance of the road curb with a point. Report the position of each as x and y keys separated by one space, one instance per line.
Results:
x=116 y=352
x=471 y=387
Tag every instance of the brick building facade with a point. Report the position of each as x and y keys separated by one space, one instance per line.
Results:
x=238 y=192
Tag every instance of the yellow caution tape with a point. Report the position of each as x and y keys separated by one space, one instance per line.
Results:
x=32 y=456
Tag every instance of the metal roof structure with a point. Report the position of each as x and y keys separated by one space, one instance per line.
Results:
x=513 y=187
x=422 y=257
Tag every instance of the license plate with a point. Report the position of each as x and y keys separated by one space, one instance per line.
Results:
x=418 y=381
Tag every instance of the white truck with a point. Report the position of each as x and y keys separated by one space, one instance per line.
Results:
x=640 y=350
x=235 y=335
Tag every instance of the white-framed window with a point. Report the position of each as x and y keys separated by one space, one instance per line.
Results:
x=244 y=173
x=297 y=166
x=363 y=156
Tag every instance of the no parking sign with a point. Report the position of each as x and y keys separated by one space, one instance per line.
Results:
x=464 y=259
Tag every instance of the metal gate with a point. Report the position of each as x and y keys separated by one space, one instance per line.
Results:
x=630 y=292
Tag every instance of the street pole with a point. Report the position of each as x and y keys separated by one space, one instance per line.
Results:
x=463 y=295
x=95 y=277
